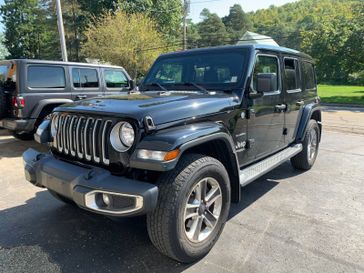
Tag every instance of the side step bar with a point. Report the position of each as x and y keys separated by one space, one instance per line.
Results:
x=256 y=170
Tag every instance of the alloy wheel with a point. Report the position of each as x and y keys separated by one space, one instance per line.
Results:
x=202 y=210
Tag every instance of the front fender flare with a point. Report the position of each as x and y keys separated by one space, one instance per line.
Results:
x=183 y=138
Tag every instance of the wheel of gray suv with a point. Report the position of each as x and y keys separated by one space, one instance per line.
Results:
x=307 y=157
x=23 y=136
x=3 y=104
x=61 y=198
x=193 y=206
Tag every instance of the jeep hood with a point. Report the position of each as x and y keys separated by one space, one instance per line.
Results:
x=162 y=108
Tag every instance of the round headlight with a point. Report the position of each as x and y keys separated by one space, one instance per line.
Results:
x=122 y=136
x=127 y=135
x=54 y=125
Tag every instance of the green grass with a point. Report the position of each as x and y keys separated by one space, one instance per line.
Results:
x=341 y=94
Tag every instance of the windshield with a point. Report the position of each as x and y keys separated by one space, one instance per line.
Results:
x=212 y=70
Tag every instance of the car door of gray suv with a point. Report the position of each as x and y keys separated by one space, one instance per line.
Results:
x=85 y=82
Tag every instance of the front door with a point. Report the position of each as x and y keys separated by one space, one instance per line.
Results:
x=115 y=82
x=266 y=123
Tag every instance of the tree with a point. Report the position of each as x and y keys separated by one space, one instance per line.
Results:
x=166 y=13
x=22 y=36
x=192 y=34
x=237 y=23
x=211 y=30
x=331 y=31
x=129 y=40
x=3 y=51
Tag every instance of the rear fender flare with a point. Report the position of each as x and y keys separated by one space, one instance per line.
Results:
x=308 y=112
x=47 y=102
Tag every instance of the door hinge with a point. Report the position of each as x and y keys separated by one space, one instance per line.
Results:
x=285 y=131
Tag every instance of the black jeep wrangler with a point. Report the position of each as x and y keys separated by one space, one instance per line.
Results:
x=204 y=123
x=31 y=89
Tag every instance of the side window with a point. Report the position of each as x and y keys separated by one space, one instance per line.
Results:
x=46 y=77
x=85 y=78
x=115 y=78
x=266 y=70
x=291 y=75
x=308 y=75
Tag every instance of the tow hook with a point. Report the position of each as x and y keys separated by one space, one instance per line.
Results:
x=38 y=157
x=89 y=175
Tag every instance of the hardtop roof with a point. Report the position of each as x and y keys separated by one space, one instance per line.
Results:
x=263 y=47
x=35 y=61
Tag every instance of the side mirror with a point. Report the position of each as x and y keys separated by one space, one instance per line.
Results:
x=131 y=84
x=264 y=82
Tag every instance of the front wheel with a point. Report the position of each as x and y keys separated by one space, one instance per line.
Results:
x=307 y=157
x=193 y=206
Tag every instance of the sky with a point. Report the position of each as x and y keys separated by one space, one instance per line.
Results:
x=221 y=7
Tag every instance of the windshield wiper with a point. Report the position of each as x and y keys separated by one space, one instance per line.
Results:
x=157 y=84
x=199 y=87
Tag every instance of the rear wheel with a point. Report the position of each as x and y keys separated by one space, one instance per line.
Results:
x=193 y=206
x=307 y=157
x=3 y=104
x=23 y=136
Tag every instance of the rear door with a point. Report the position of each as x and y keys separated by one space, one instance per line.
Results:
x=265 y=126
x=42 y=81
x=292 y=85
x=115 y=81
x=85 y=83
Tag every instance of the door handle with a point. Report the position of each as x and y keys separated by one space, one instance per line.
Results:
x=81 y=97
x=300 y=103
x=280 y=107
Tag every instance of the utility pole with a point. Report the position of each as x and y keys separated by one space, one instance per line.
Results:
x=186 y=11
x=61 y=31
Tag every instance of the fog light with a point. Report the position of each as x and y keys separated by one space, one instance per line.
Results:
x=106 y=199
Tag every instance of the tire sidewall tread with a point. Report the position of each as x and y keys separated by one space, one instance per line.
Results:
x=164 y=223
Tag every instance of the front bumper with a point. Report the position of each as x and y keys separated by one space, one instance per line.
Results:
x=86 y=185
x=18 y=125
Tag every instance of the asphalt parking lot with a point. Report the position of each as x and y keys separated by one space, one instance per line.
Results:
x=288 y=221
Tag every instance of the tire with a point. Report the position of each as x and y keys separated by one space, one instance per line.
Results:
x=169 y=226
x=3 y=104
x=23 y=136
x=62 y=198
x=307 y=157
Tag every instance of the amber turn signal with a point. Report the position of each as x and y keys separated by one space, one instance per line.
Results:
x=171 y=155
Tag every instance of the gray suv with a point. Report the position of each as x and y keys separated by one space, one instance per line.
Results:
x=31 y=89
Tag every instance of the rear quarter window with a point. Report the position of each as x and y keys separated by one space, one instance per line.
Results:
x=46 y=77
x=308 y=75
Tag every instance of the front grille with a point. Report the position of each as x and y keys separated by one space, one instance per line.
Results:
x=83 y=137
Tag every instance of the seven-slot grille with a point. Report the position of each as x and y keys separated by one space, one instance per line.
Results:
x=83 y=137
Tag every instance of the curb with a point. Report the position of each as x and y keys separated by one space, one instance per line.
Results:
x=342 y=105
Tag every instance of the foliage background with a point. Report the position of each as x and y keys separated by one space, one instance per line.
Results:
x=332 y=31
